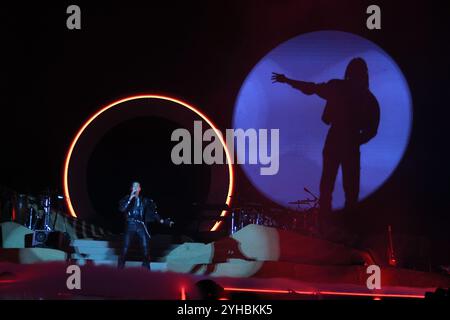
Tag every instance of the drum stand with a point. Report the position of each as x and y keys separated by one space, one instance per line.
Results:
x=46 y=204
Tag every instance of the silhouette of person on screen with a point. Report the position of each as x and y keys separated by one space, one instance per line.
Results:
x=353 y=114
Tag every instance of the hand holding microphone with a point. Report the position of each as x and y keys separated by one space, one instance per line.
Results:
x=132 y=195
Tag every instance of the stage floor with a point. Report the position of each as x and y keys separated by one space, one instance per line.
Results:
x=49 y=281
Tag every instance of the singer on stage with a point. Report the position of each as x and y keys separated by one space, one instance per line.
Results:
x=139 y=211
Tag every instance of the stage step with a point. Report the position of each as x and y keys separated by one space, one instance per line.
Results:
x=155 y=266
x=91 y=243
x=96 y=250
x=107 y=252
x=132 y=255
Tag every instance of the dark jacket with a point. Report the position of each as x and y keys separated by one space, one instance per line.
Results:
x=150 y=213
x=352 y=111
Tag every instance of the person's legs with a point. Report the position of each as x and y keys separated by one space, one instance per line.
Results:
x=351 y=175
x=330 y=168
x=145 y=246
x=129 y=233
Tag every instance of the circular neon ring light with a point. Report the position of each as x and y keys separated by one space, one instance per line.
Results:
x=146 y=96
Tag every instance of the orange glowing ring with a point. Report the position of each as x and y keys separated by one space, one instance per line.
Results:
x=146 y=96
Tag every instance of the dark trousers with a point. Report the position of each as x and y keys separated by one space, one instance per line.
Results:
x=135 y=229
x=349 y=159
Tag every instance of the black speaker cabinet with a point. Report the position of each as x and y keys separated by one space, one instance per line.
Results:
x=47 y=239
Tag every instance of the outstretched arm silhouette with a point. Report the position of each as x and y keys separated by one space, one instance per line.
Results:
x=305 y=87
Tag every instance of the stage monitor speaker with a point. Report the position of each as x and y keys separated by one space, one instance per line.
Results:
x=47 y=239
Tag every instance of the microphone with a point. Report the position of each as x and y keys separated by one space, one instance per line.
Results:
x=132 y=195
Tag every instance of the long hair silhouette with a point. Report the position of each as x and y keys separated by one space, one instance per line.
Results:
x=357 y=72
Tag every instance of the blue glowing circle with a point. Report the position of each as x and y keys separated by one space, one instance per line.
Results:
x=319 y=57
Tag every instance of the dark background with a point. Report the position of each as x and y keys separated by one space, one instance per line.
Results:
x=139 y=149
x=52 y=79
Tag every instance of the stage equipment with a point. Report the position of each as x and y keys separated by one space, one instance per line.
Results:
x=46 y=202
x=47 y=239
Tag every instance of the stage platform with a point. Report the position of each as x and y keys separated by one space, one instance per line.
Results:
x=256 y=259
x=48 y=281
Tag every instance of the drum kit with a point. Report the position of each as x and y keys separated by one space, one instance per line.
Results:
x=37 y=210
x=303 y=217
x=250 y=213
